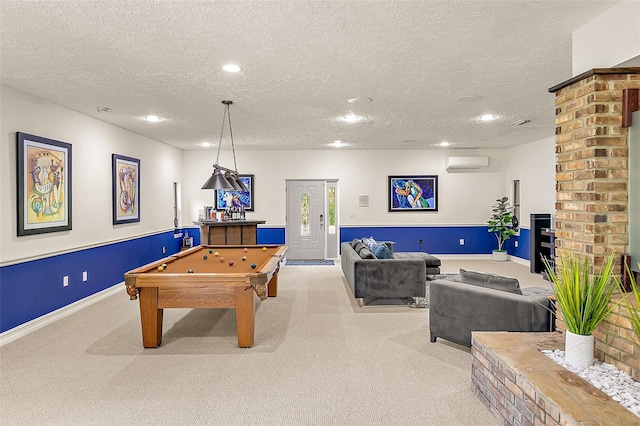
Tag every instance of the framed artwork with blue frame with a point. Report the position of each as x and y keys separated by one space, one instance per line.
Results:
x=226 y=199
x=413 y=193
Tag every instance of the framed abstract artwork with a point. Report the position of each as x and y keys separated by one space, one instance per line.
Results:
x=44 y=185
x=226 y=198
x=125 y=181
x=413 y=193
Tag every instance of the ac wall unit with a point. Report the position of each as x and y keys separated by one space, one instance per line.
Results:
x=467 y=162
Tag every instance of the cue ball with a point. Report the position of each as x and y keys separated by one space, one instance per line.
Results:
x=205 y=257
x=231 y=263
x=245 y=249
x=190 y=271
x=216 y=254
x=253 y=266
x=264 y=249
x=210 y=251
x=244 y=257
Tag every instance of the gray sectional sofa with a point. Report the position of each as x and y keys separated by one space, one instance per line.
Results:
x=475 y=301
x=387 y=280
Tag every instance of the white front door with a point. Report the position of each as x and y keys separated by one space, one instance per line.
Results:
x=305 y=233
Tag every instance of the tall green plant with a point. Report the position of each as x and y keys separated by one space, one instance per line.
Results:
x=583 y=296
x=634 y=311
x=500 y=221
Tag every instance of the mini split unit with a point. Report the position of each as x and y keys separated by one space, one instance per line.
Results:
x=454 y=163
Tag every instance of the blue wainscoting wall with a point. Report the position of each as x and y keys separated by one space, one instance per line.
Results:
x=32 y=289
x=440 y=239
x=29 y=290
x=435 y=239
x=270 y=236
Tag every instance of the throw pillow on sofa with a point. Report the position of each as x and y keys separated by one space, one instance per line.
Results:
x=381 y=251
x=496 y=282
x=359 y=246
x=369 y=241
x=365 y=253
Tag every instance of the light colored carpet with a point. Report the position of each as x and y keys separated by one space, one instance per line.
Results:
x=319 y=359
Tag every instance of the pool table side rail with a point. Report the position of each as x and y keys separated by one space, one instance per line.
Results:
x=138 y=277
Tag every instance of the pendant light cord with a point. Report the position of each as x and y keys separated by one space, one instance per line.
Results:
x=227 y=116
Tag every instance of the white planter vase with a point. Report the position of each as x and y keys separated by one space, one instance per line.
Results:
x=578 y=350
x=500 y=256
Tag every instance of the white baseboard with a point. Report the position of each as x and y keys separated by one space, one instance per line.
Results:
x=514 y=259
x=520 y=261
x=464 y=256
x=36 y=324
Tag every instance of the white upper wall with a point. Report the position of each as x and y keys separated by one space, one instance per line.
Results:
x=465 y=197
x=534 y=165
x=93 y=142
x=611 y=39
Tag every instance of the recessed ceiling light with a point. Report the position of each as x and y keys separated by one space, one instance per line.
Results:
x=205 y=144
x=231 y=68
x=338 y=143
x=103 y=109
x=351 y=118
x=152 y=119
x=444 y=143
x=488 y=117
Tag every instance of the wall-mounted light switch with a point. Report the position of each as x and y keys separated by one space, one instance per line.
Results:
x=84 y=276
x=65 y=281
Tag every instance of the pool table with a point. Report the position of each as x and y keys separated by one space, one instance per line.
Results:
x=206 y=277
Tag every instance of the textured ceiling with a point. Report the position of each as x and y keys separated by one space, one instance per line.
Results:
x=302 y=61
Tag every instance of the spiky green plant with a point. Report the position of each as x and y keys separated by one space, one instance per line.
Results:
x=634 y=311
x=583 y=296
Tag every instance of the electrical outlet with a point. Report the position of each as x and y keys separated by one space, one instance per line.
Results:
x=84 y=276
x=461 y=241
x=164 y=250
x=65 y=281
x=420 y=241
x=515 y=243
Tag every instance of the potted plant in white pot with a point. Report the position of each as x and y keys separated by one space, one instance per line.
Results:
x=583 y=296
x=500 y=224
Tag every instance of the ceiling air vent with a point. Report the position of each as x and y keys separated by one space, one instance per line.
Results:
x=454 y=163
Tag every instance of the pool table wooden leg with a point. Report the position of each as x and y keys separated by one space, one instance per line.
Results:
x=150 y=317
x=272 y=286
x=245 y=315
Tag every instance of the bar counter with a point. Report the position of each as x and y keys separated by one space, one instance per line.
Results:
x=229 y=232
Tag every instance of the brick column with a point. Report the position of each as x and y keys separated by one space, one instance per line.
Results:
x=591 y=164
x=592 y=150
